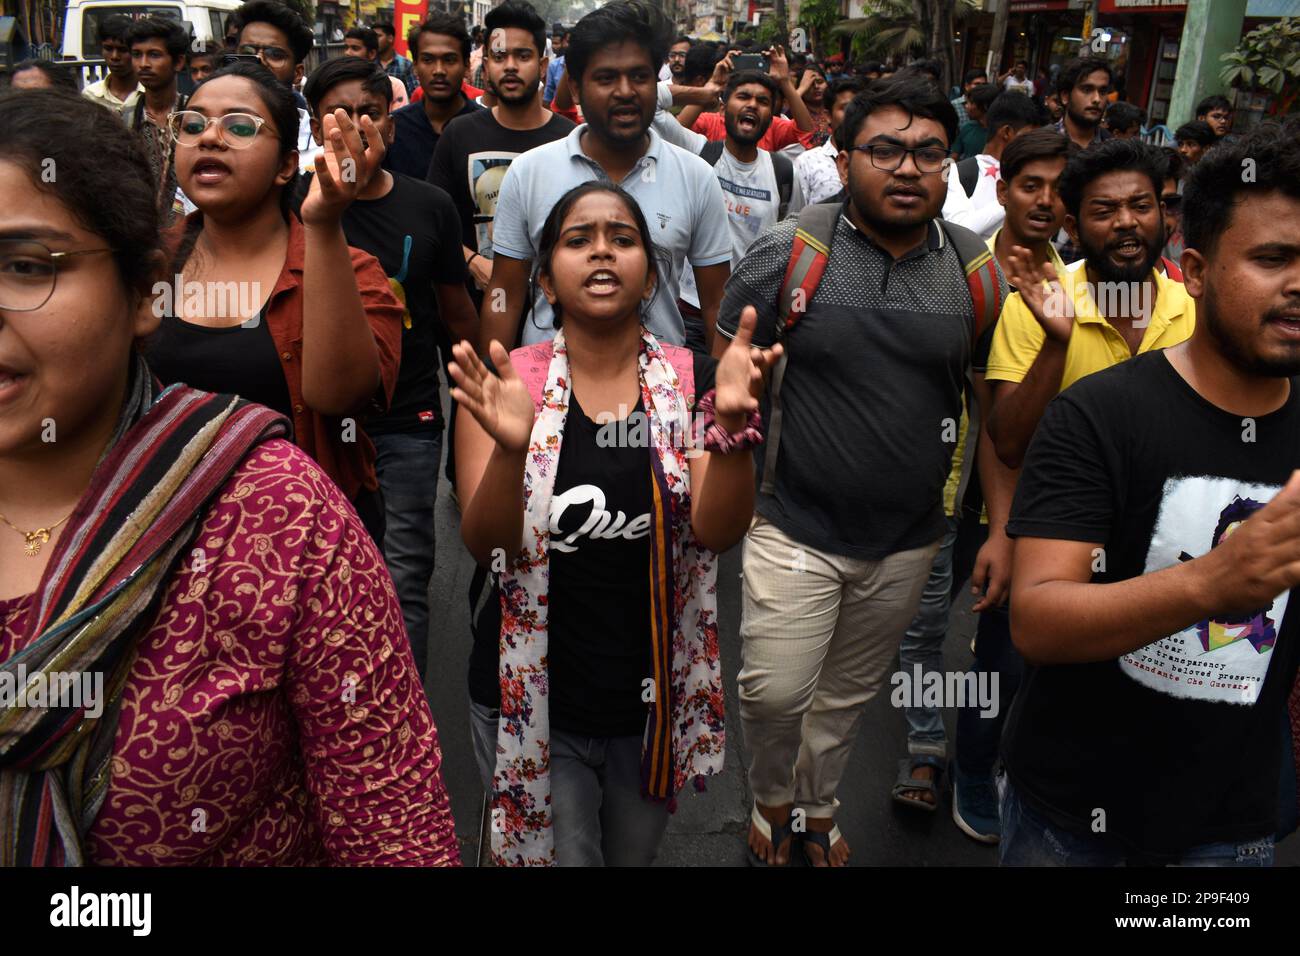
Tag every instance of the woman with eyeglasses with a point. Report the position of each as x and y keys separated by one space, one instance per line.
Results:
x=595 y=682
x=246 y=693
x=279 y=311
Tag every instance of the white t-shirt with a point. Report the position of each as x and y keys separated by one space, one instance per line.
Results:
x=816 y=177
x=980 y=212
x=1025 y=86
x=677 y=193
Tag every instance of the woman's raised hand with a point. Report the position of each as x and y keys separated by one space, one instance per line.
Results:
x=499 y=403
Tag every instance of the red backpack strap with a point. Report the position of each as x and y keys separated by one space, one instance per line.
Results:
x=987 y=294
x=1172 y=269
x=808 y=257
x=533 y=362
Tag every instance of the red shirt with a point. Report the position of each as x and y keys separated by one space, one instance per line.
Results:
x=350 y=463
x=782 y=133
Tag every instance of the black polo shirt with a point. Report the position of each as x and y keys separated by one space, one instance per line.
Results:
x=415 y=139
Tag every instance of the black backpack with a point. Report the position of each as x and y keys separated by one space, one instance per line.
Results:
x=781 y=165
x=968 y=174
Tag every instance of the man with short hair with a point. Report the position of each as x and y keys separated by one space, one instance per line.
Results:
x=440 y=46
x=158 y=48
x=1082 y=86
x=412 y=229
x=1107 y=307
x=1194 y=139
x=1217 y=111
x=1171 y=199
x=278 y=36
x=816 y=174
x=1017 y=79
x=119 y=87
x=1157 y=526
x=555 y=69
x=1124 y=120
x=392 y=61
x=972 y=79
x=203 y=63
x=475 y=151
x=972 y=199
x=362 y=42
x=974 y=131
x=849 y=515
x=798 y=130
x=676 y=59
x=612 y=65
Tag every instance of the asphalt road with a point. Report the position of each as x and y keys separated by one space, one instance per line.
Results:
x=709 y=827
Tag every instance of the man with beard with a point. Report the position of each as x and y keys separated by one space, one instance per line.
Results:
x=672 y=69
x=613 y=62
x=1158 y=539
x=119 y=88
x=440 y=46
x=756 y=184
x=850 y=515
x=393 y=62
x=158 y=48
x=1104 y=309
x=475 y=151
x=1082 y=86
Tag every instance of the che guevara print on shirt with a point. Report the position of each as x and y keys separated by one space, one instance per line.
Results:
x=1224 y=658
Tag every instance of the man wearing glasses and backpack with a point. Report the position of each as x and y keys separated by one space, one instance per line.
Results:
x=281 y=39
x=882 y=311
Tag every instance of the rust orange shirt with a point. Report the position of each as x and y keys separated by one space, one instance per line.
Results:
x=350 y=463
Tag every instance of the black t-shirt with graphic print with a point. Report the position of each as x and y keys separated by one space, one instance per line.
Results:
x=598 y=649
x=1177 y=744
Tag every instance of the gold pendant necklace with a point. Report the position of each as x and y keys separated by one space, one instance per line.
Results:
x=35 y=539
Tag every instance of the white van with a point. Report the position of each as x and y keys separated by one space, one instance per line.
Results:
x=206 y=19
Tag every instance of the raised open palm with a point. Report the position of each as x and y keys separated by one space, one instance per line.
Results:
x=1040 y=288
x=499 y=403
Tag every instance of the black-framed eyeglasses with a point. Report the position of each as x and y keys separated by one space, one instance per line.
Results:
x=28 y=271
x=236 y=130
x=1172 y=202
x=270 y=55
x=889 y=157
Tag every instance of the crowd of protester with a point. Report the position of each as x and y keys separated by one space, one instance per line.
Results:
x=900 y=341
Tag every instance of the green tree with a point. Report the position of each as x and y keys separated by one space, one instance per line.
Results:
x=817 y=17
x=1267 y=60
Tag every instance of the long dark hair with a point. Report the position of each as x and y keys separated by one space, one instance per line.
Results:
x=554 y=224
x=283 y=113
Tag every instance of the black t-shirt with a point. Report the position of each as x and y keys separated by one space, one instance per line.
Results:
x=415 y=139
x=239 y=360
x=470 y=161
x=415 y=234
x=1178 y=743
x=598 y=651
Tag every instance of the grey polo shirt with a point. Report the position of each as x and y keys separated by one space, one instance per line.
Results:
x=872 y=392
x=676 y=190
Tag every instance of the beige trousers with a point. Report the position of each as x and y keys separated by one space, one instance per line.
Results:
x=818 y=631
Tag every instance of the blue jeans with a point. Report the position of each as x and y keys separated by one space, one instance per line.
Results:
x=407 y=466
x=977 y=736
x=599 y=816
x=923 y=644
x=1029 y=840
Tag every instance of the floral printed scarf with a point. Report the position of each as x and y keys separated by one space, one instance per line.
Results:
x=684 y=734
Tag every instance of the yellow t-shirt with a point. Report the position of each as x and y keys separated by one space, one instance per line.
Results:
x=1095 y=344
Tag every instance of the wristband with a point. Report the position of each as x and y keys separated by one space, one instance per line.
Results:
x=717 y=439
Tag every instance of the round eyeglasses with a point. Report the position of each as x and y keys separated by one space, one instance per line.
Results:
x=237 y=130
x=28 y=271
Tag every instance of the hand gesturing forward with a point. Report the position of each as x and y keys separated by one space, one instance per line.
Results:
x=740 y=374
x=499 y=403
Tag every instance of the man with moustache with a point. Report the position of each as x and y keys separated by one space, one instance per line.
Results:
x=850 y=515
x=1082 y=86
x=474 y=151
x=440 y=46
x=756 y=184
x=613 y=62
x=158 y=49
x=1148 y=728
x=1102 y=310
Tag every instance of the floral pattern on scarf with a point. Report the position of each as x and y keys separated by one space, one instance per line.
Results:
x=522 y=832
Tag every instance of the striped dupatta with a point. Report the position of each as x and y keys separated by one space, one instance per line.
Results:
x=170 y=454
x=684 y=727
